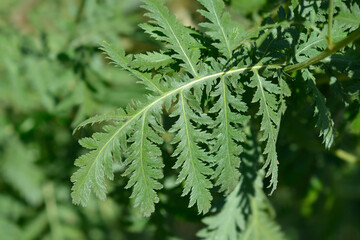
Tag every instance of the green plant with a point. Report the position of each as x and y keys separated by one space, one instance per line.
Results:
x=222 y=93
x=52 y=77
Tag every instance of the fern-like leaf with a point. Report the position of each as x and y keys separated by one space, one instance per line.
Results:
x=235 y=217
x=312 y=45
x=230 y=119
x=220 y=27
x=260 y=225
x=225 y=224
x=118 y=115
x=265 y=94
x=136 y=132
x=193 y=160
x=145 y=165
x=122 y=60
x=349 y=15
x=97 y=164
x=175 y=34
x=151 y=60
x=324 y=122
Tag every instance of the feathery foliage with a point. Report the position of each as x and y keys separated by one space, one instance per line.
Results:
x=260 y=226
x=213 y=87
x=324 y=122
x=348 y=15
x=225 y=224
x=245 y=207
x=230 y=119
x=174 y=33
x=220 y=28
x=151 y=60
x=266 y=96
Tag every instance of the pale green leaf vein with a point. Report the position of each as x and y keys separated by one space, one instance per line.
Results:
x=266 y=106
x=136 y=72
x=221 y=28
x=141 y=153
x=228 y=153
x=188 y=137
x=181 y=47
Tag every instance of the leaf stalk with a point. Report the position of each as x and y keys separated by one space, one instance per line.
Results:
x=324 y=54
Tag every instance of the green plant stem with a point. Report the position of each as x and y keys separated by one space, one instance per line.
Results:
x=327 y=52
x=52 y=211
x=330 y=23
x=80 y=11
x=346 y=156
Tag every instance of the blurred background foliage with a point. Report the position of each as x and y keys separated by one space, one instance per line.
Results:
x=53 y=76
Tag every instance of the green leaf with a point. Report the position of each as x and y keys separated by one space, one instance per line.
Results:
x=294 y=3
x=236 y=216
x=355 y=125
x=324 y=122
x=120 y=139
x=19 y=169
x=194 y=161
x=118 y=115
x=231 y=219
x=10 y=229
x=225 y=224
x=144 y=162
x=349 y=16
x=175 y=34
x=285 y=92
x=220 y=27
x=265 y=94
x=261 y=226
x=95 y=165
x=227 y=127
x=313 y=44
x=151 y=60
x=120 y=59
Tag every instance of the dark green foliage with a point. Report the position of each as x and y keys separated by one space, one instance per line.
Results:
x=324 y=122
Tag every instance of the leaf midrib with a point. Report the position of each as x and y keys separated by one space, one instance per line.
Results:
x=188 y=140
x=221 y=28
x=178 y=42
x=135 y=72
x=266 y=107
x=227 y=131
x=314 y=43
x=141 y=154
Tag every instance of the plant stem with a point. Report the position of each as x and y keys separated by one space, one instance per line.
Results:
x=346 y=156
x=324 y=54
x=52 y=211
x=330 y=23
x=80 y=11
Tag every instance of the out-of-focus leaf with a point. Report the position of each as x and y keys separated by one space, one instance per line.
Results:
x=19 y=169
